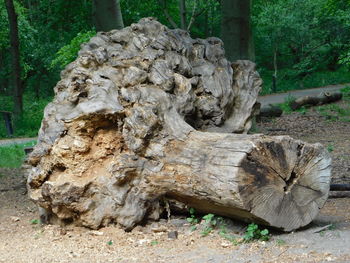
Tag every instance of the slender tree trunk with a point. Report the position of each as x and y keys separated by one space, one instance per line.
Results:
x=206 y=24
x=274 y=76
x=107 y=15
x=182 y=7
x=15 y=53
x=236 y=29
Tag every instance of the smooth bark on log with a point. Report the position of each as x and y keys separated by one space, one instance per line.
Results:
x=340 y=187
x=128 y=130
x=270 y=111
x=322 y=98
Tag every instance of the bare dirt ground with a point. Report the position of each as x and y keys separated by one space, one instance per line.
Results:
x=23 y=241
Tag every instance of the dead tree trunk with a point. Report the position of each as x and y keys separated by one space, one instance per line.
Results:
x=141 y=116
x=322 y=98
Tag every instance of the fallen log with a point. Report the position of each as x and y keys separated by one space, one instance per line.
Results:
x=270 y=111
x=147 y=114
x=340 y=187
x=322 y=98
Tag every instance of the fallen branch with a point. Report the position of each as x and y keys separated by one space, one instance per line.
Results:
x=270 y=111
x=340 y=187
x=322 y=98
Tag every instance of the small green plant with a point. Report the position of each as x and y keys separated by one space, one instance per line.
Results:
x=193 y=228
x=110 y=242
x=254 y=233
x=280 y=242
x=331 y=227
x=154 y=242
x=35 y=221
x=286 y=105
x=302 y=110
x=211 y=221
x=330 y=148
x=193 y=220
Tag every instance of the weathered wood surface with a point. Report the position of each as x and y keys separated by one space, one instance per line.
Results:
x=129 y=128
x=322 y=98
x=270 y=111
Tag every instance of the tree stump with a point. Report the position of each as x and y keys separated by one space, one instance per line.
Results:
x=147 y=114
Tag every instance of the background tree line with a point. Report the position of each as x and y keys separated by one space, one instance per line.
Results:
x=302 y=43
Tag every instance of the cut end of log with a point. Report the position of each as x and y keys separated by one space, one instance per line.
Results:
x=285 y=182
x=126 y=130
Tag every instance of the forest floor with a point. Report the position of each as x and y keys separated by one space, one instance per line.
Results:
x=327 y=239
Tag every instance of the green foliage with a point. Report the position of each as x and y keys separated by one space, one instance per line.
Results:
x=12 y=156
x=69 y=52
x=280 y=242
x=286 y=105
x=308 y=37
x=29 y=123
x=110 y=242
x=346 y=93
x=193 y=220
x=35 y=221
x=211 y=222
x=287 y=80
x=337 y=112
x=154 y=242
x=330 y=147
x=330 y=227
x=254 y=233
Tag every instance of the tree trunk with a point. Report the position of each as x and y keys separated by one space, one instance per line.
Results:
x=15 y=53
x=236 y=29
x=274 y=181
x=182 y=8
x=322 y=98
x=117 y=140
x=107 y=15
x=274 y=76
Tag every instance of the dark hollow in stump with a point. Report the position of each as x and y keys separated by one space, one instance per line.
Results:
x=147 y=115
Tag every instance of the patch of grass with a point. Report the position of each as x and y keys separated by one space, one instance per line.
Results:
x=286 y=105
x=29 y=123
x=335 y=112
x=12 y=156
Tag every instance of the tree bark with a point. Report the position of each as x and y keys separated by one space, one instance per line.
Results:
x=146 y=114
x=107 y=15
x=236 y=29
x=15 y=53
x=270 y=111
x=322 y=98
x=183 y=13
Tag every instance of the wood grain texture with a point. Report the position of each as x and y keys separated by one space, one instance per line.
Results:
x=147 y=114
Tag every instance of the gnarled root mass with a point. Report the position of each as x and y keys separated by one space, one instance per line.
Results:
x=147 y=113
